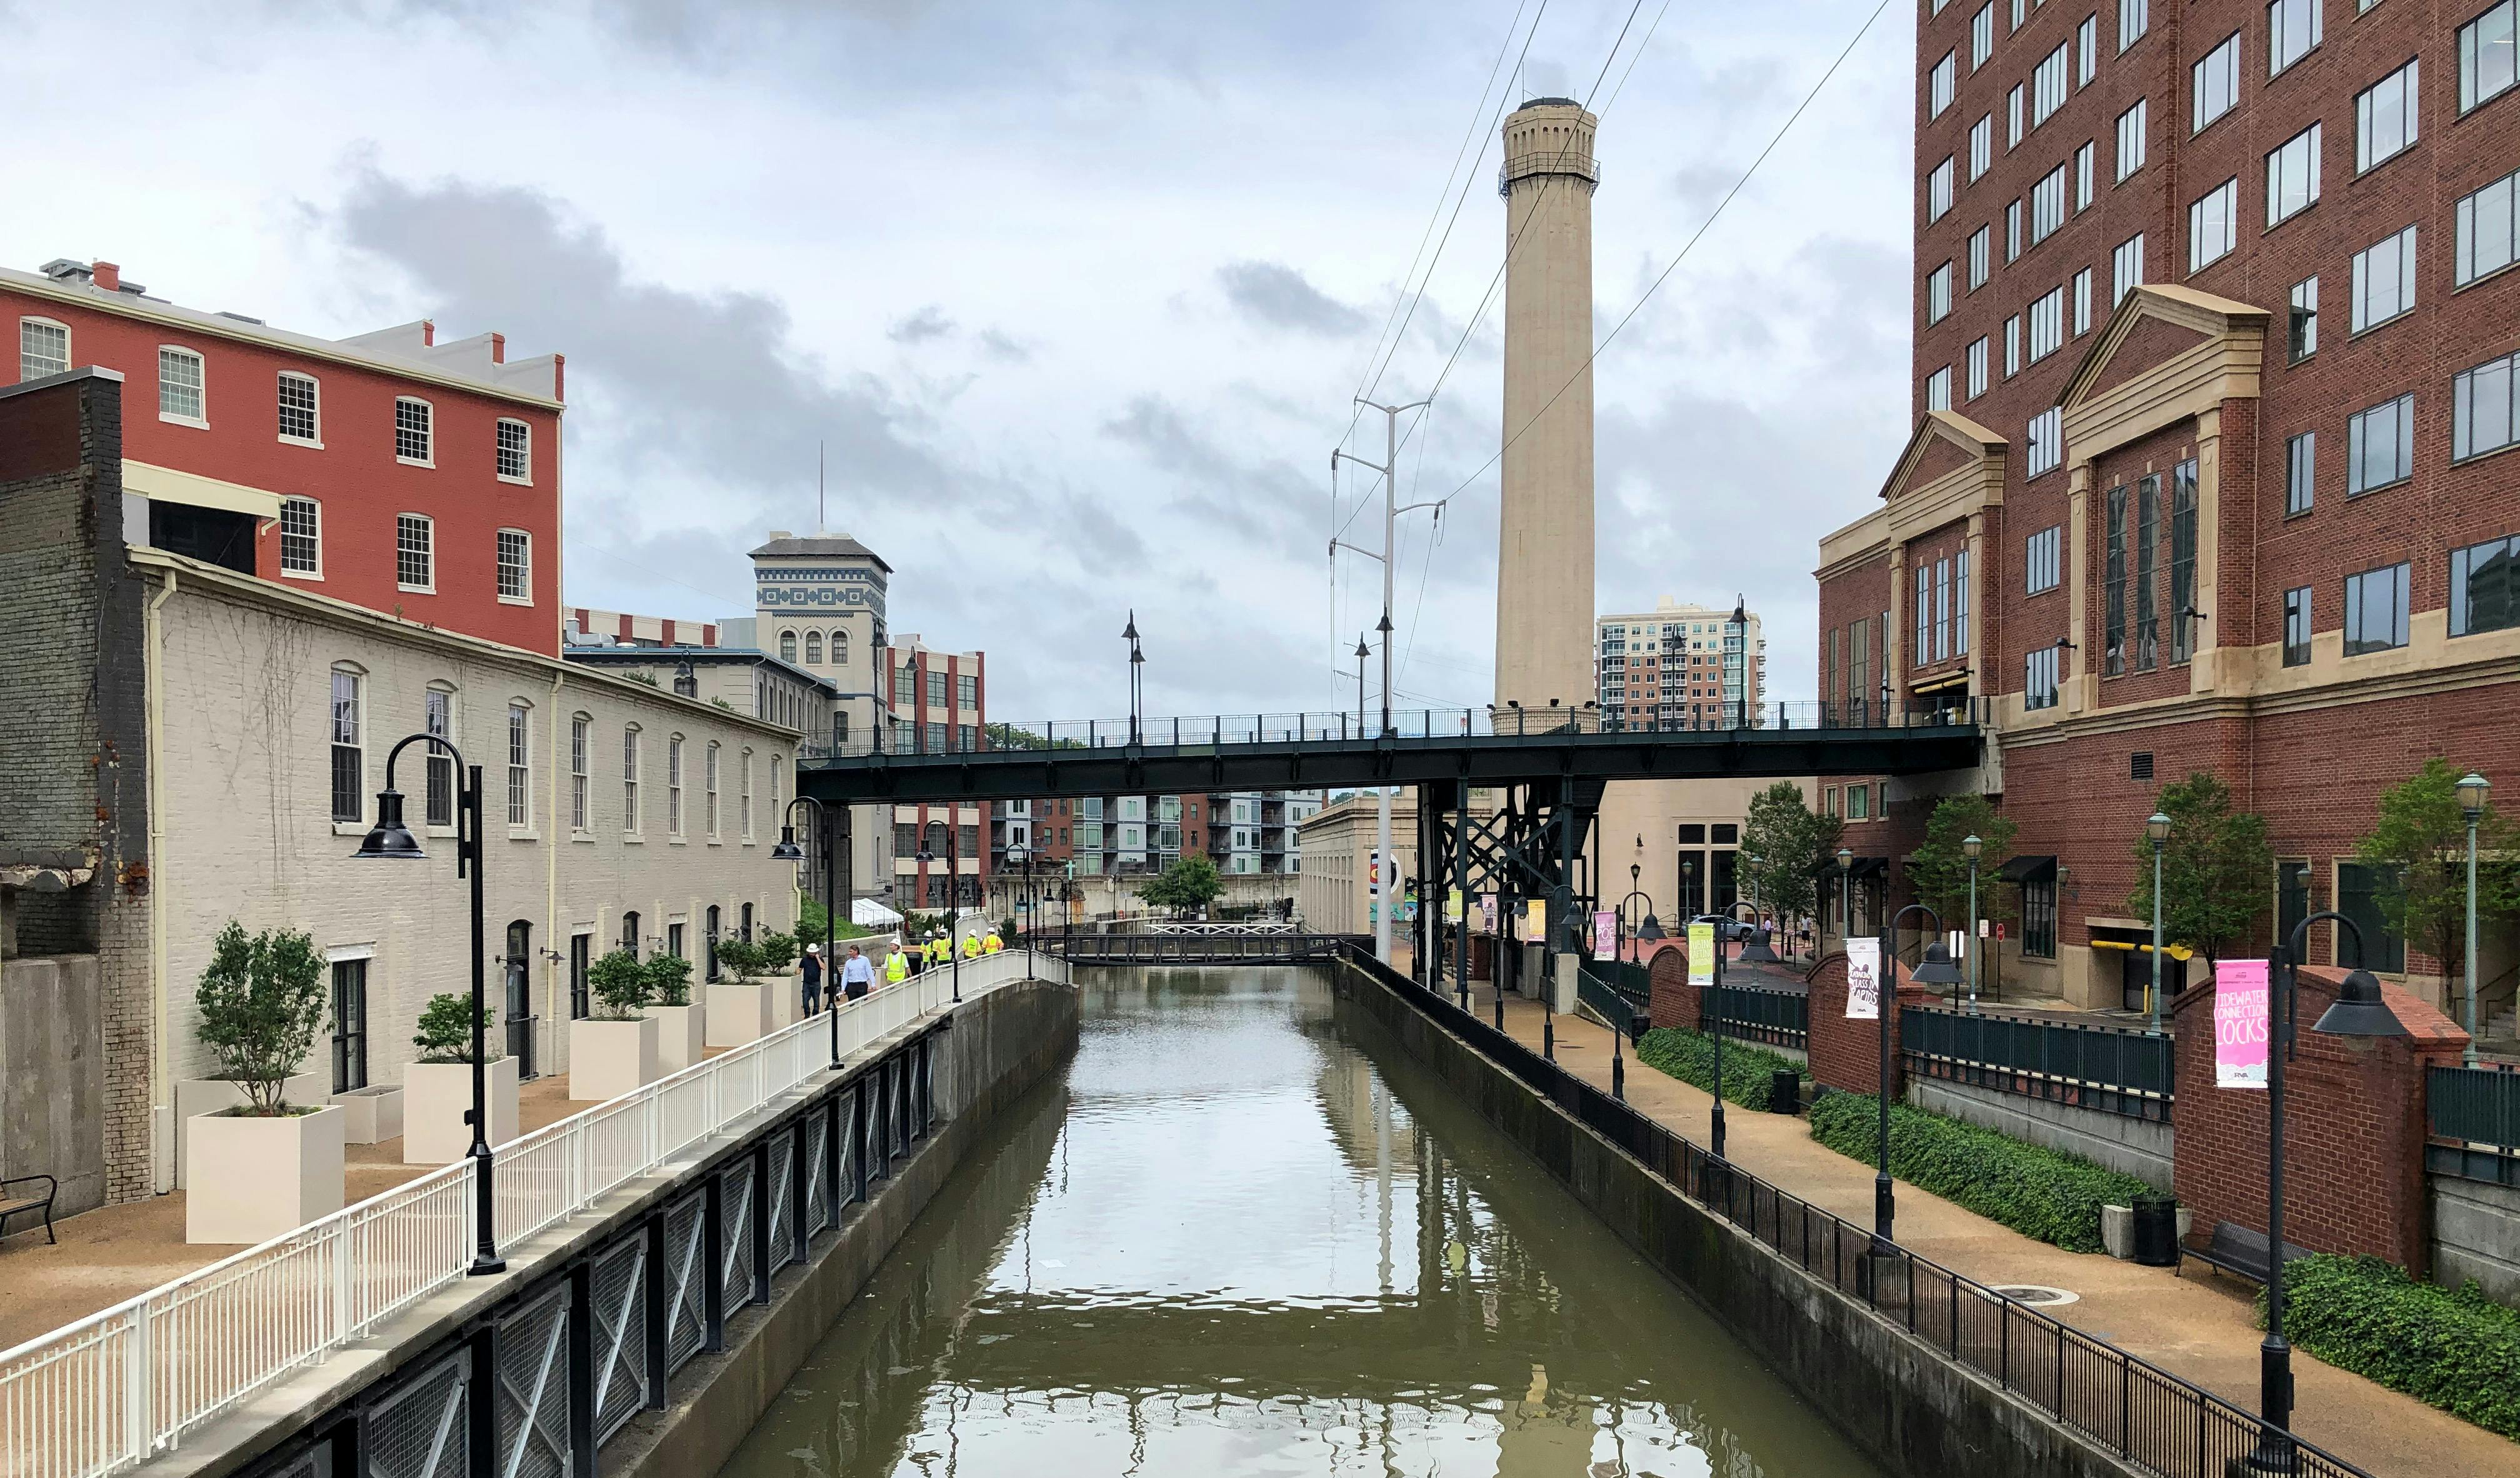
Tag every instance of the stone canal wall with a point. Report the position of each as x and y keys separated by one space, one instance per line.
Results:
x=1915 y=1412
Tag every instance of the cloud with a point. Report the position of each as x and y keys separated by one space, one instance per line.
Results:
x=1005 y=347
x=1268 y=501
x=1279 y=298
x=919 y=327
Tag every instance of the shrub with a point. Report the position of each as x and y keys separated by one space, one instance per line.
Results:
x=2036 y=1191
x=1690 y=1056
x=778 y=951
x=2455 y=1349
x=620 y=984
x=669 y=980
x=739 y=957
x=446 y=1029
x=262 y=999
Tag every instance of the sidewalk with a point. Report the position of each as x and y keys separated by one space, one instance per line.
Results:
x=2198 y=1325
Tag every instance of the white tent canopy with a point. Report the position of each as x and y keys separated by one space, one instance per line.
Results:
x=867 y=914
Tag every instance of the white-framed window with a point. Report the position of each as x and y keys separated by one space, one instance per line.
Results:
x=2125 y=267
x=1938 y=294
x=2048 y=204
x=2015 y=108
x=2213 y=225
x=1982 y=36
x=2384 y=119
x=2380 y=446
x=1938 y=85
x=300 y=409
x=2131 y=138
x=2214 y=84
x=813 y=649
x=743 y=796
x=839 y=648
x=2013 y=232
x=1980 y=248
x=516 y=567
x=2489 y=222
x=2083 y=303
x=2012 y=347
x=1977 y=367
x=2481 y=403
x=414 y=553
x=2085 y=167
x=2134 y=18
x=2046 y=324
x=2048 y=85
x=788 y=646
x=2039 y=678
x=43 y=348
x=437 y=720
x=1981 y=147
x=630 y=778
x=2485 y=57
x=515 y=452
x=183 y=391
x=2301 y=472
x=674 y=785
x=2047 y=441
x=2293 y=28
x=346 y=721
x=2040 y=555
x=1938 y=191
x=2292 y=176
x=2384 y=279
x=579 y=733
x=708 y=794
x=1938 y=389
x=520 y=760
x=414 y=441
x=2303 y=325
x=301 y=538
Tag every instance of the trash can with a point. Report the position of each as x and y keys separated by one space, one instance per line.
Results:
x=1785 y=1091
x=2156 y=1231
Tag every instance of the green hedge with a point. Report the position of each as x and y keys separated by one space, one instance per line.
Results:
x=2046 y=1194
x=1690 y=1056
x=2455 y=1349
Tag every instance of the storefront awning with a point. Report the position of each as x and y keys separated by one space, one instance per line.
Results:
x=1943 y=684
x=1864 y=867
x=2027 y=870
x=167 y=485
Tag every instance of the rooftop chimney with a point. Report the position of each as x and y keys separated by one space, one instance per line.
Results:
x=107 y=275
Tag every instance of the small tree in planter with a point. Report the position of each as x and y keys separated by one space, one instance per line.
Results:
x=620 y=984
x=437 y=1086
x=669 y=980
x=445 y=1032
x=615 y=1050
x=266 y=1166
x=263 y=999
x=778 y=951
x=740 y=958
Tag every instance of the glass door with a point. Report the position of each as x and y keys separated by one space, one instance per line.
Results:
x=349 y=1025
x=519 y=973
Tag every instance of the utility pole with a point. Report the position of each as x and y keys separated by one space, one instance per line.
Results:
x=1385 y=893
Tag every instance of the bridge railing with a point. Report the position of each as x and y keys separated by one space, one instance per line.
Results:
x=1208 y=731
x=1191 y=949
x=2113 y=1069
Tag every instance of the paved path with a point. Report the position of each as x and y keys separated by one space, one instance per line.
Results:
x=2199 y=1325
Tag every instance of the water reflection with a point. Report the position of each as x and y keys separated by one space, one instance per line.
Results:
x=1245 y=1236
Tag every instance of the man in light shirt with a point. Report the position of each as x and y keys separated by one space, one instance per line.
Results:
x=857 y=976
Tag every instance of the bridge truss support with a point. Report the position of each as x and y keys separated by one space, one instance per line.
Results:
x=1518 y=842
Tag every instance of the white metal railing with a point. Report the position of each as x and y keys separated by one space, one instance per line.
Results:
x=127 y=1383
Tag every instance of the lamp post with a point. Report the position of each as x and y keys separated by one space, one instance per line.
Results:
x=1975 y=848
x=954 y=895
x=1021 y=855
x=1738 y=629
x=1362 y=653
x=390 y=838
x=1845 y=898
x=2473 y=791
x=1136 y=681
x=2157 y=826
x=788 y=851
x=1934 y=969
x=1646 y=932
x=1718 y=1014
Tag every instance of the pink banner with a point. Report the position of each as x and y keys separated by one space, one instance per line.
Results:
x=2241 y=1023
x=1606 y=934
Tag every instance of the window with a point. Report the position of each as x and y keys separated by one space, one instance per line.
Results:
x=1938 y=389
x=181 y=394
x=1942 y=609
x=2114 y=588
x=1938 y=86
x=349 y=760
x=2292 y=177
x=2486 y=222
x=2485 y=55
x=839 y=648
x=2375 y=610
x=412 y=441
x=2012 y=347
x=2384 y=279
x=1977 y=367
x=1938 y=191
x=2147 y=545
x=630 y=778
x=2384 y=119
x=2305 y=319
x=1959 y=603
x=2085 y=161
x=935 y=687
x=2020 y=13
x=2213 y=225
x=2296 y=630
x=2013 y=232
x=2482 y=405
x=2292 y=895
x=2013 y=107
x=44 y=347
x=2485 y=587
x=436 y=722
x=1981 y=147
x=2131 y=138
x=2379 y=446
x=2126 y=266
x=2182 y=562
x=1938 y=294
x=516 y=567
x=2082 y=302
x=2039 y=919
x=1982 y=36
x=1924 y=652
x=2301 y=472
x=2292 y=29
x=300 y=410
x=415 y=561
x=2048 y=86
x=515 y=452
x=2214 y=84
x=709 y=780
x=2086 y=51
x=578 y=819
x=2360 y=887
x=967 y=690
x=519 y=761
x=349 y=1024
x=302 y=537
x=2047 y=441
x=1859 y=804
x=744 y=797
x=2040 y=561
x=814 y=648
x=1979 y=247
x=2039 y=678
x=2048 y=205
x=787 y=646
x=2046 y=324
x=630 y=932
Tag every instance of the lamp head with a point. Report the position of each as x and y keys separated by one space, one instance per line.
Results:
x=1652 y=928
x=1937 y=969
x=1635 y=870
x=2157 y=826
x=1363 y=652
x=1971 y=845
x=2473 y=791
x=1846 y=859
x=1741 y=614
x=1129 y=633
x=787 y=850
x=2359 y=1011
x=389 y=838
x=1757 y=951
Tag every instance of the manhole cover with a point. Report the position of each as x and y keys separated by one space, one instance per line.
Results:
x=2036 y=1294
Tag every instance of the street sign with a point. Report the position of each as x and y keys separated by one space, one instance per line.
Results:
x=2242 y=1023
x=1863 y=979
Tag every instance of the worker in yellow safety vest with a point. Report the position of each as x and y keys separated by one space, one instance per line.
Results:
x=896 y=968
x=993 y=944
x=971 y=946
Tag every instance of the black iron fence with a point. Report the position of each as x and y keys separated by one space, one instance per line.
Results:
x=2474 y=1116
x=1595 y=987
x=2126 y=1403
x=1755 y=1013
x=2113 y=1069
x=1190 y=949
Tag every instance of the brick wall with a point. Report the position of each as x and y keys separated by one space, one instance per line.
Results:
x=1847 y=1055
x=1675 y=1000
x=2353 y=1128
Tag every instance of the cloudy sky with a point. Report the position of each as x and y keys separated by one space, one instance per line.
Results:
x=1074 y=294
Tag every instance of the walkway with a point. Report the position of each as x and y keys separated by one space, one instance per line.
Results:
x=2201 y=1325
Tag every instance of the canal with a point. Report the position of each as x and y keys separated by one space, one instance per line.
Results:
x=1242 y=1235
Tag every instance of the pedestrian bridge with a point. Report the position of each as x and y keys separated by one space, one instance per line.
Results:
x=1223 y=944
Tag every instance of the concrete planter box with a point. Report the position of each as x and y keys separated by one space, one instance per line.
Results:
x=255 y=1179
x=436 y=1095
x=787 y=998
x=2117 y=1231
x=194 y=1096
x=610 y=1058
x=681 y=1032
x=738 y=1012
x=375 y=1114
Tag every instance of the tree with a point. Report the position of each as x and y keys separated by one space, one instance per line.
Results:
x=2421 y=840
x=2214 y=868
x=669 y=980
x=809 y=922
x=1190 y=884
x=1790 y=842
x=1939 y=871
x=621 y=983
x=262 y=999
x=445 y=1032
x=778 y=951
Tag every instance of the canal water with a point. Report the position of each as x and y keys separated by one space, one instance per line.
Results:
x=1242 y=1235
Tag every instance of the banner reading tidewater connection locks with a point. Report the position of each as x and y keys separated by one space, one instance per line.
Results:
x=2242 y=1023
x=1863 y=979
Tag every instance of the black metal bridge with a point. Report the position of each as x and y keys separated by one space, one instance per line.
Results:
x=1219 y=947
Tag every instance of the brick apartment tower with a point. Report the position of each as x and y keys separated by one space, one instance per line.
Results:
x=2214 y=369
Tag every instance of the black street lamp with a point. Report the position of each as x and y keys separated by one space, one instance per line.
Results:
x=389 y=838
x=1137 y=681
x=1738 y=630
x=1935 y=970
x=1021 y=855
x=2157 y=827
x=1975 y=848
x=1720 y=931
x=2473 y=788
x=788 y=851
x=954 y=890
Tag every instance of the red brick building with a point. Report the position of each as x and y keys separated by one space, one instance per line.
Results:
x=386 y=470
x=939 y=705
x=2214 y=371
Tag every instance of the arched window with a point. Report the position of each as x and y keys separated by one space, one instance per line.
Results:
x=630 y=933
x=813 y=649
x=839 y=648
x=748 y=923
x=711 y=973
x=787 y=646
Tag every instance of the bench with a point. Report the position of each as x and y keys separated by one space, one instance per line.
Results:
x=2235 y=1249
x=13 y=1205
